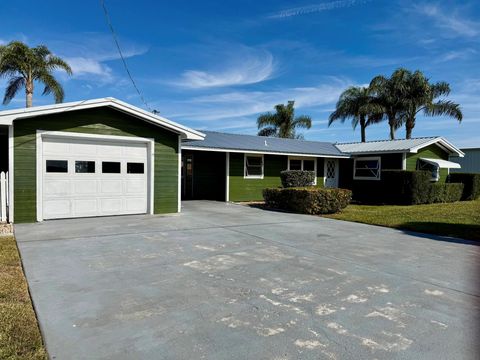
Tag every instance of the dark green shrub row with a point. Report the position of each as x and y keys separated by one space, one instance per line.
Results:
x=307 y=200
x=406 y=188
x=471 y=182
x=297 y=178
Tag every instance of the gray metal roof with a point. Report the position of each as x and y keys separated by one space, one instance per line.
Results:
x=218 y=140
x=401 y=145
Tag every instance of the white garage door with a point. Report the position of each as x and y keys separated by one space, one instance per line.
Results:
x=93 y=178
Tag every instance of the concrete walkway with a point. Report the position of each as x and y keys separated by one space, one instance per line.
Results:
x=224 y=281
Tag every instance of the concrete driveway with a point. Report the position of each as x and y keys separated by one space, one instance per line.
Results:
x=224 y=281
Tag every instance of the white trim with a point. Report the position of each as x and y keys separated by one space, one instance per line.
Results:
x=41 y=134
x=227 y=176
x=179 y=174
x=245 y=166
x=404 y=161
x=10 y=173
x=378 y=158
x=444 y=142
x=186 y=147
x=304 y=158
x=7 y=117
x=444 y=164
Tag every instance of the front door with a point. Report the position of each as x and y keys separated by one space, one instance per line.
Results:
x=331 y=173
x=187 y=177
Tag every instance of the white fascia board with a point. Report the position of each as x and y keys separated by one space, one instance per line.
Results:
x=186 y=147
x=7 y=117
x=443 y=143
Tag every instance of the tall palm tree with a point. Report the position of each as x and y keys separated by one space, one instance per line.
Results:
x=358 y=104
x=23 y=66
x=420 y=96
x=283 y=122
x=390 y=93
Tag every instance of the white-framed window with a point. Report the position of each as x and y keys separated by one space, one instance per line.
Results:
x=367 y=168
x=306 y=164
x=434 y=169
x=253 y=166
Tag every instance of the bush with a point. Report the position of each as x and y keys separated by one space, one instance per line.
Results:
x=297 y=178
x=443 y=193
x=307 y=200
x=471 y=182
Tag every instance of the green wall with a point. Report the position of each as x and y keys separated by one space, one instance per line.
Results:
x=104 y=121
x=251 y=189
x=432 y=152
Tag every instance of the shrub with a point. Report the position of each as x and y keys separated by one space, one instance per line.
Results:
x=297 y=178
x=307 y=200
x=442 y=193
x=471 y=182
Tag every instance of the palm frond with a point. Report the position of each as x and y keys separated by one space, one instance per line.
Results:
x=268 y=131
x=445 y=108
x=302 y=121
x=266 y=120
x=13 y=86
x=52 y=86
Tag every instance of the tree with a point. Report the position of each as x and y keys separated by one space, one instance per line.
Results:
x=358 y=104
x=390 y=93
x=420 y=96
x=283 y=122
x=23 y=66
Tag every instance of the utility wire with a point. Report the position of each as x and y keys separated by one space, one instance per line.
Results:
x=115 y=38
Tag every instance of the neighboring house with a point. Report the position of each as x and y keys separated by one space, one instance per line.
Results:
x=470 y=163
x=105 y=157
x=91 y=158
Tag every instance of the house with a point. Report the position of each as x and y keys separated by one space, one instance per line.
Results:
x=90 y=158
x=106 y=157
x=470 y=163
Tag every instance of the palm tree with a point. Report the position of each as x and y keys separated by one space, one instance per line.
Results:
x=23 y=66
x=420 y=96
x=283 y=122
x=390 y=94
x=358 y=104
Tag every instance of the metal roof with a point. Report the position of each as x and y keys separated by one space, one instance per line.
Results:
x=251 y=143
x=8 y=116
x=401 y=145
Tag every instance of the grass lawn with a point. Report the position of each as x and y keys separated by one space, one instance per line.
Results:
x=19 y=334
x=460 y=219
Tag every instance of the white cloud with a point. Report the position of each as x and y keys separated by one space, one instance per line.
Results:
x=457 y=55
x=247 y=66
x=449 y=20
x=238 y=104
x=315 y=8
x=88 y=66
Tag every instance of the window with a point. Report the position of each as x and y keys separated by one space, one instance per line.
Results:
x=253 y=167
x=433 y=169
x=303 y=164
x=110 y=167
x=367 y=168
x=57 y=166
x=84 y=167
x=135 y=168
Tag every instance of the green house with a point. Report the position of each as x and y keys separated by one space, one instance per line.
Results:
x=105 y=157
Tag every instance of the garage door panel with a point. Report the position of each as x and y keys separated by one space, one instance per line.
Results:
x=84 y=190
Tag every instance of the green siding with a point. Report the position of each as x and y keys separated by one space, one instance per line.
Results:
x=432 y=152
x=104 y=121
x=242 y=189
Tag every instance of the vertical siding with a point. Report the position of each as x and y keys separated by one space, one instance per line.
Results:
x=432 y=152
x=470 y=163
x=102 y=121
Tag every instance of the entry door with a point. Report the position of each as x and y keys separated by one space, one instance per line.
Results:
x=187 y=177
x=331 y=173
x=83 y=177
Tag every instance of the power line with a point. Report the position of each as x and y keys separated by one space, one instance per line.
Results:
x=109 y=23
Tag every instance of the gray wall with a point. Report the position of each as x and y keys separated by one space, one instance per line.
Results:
x=470 y=162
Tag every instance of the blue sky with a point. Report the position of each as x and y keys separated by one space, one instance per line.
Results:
x=217 y=64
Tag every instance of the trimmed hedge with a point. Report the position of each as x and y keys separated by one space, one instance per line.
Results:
x=471 y=182
x=402 y=187
x=297 y=178
x=307 y=200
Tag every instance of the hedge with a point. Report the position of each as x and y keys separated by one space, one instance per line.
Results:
x=307 y=200
x=445 y=193
x=471 y=182
x=297 y=178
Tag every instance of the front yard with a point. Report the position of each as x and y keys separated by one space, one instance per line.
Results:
x=19 y=334
x=459 y=219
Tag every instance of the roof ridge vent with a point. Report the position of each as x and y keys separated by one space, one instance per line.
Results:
x=266 y=142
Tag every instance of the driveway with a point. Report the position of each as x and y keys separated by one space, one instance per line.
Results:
x=225 y=281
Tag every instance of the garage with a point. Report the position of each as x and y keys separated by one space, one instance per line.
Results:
x=83 y=176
